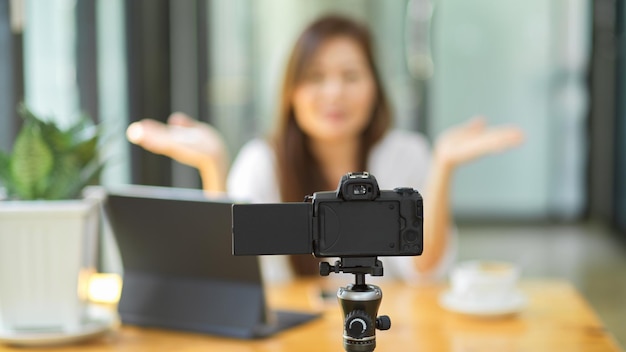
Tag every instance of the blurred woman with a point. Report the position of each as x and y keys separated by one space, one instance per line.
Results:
x=333 y=118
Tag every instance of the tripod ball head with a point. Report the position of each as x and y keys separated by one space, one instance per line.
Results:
x=360 y=303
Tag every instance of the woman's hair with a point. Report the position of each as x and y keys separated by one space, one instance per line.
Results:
x=298 y=172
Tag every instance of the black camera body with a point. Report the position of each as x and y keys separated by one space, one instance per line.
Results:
x=357 y=220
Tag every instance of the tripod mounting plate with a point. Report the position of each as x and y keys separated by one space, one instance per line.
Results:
x=353 y=265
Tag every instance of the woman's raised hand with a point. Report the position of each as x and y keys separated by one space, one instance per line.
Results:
x=474 y=139
x=187 y=141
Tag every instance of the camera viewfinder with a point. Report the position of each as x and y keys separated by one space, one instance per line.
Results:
x=359 y=190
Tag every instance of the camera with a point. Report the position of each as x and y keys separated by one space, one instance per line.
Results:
x=357 y=220
x=357 y=223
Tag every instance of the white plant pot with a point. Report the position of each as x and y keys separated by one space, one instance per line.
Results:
x=47 y=250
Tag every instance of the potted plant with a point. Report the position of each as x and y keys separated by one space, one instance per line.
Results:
x=48 y=232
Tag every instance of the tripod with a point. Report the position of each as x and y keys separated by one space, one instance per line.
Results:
x=359 y=302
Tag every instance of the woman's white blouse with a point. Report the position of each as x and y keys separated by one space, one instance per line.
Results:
x=400 y=159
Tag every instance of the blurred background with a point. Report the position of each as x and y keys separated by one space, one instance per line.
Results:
x=557 y=205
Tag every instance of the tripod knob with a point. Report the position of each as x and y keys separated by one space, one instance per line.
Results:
x=358 y=324
x=383 y=322
x=325 y=269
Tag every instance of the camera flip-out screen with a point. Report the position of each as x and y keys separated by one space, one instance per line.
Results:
x=358 y=220
x=272 y=229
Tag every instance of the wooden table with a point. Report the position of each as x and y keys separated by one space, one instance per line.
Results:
x=557 y=318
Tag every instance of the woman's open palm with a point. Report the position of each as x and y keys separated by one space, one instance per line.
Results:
x=474 y=139
x=183 y=139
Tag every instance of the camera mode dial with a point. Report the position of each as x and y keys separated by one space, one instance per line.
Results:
x=404 y=190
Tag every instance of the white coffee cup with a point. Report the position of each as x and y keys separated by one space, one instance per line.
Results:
x=485 y=282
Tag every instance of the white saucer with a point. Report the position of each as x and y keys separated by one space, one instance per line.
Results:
x=99 y=321
x=514 y=304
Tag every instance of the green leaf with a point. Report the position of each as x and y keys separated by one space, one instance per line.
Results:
x=5 y=161
x=89 y=175
x=5 y=172
x=52 y=163
x=57 y=139
x=31 y=164
x=64 y=178
x=86 y=145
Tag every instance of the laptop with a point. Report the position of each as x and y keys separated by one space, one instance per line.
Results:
x=179 y=271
